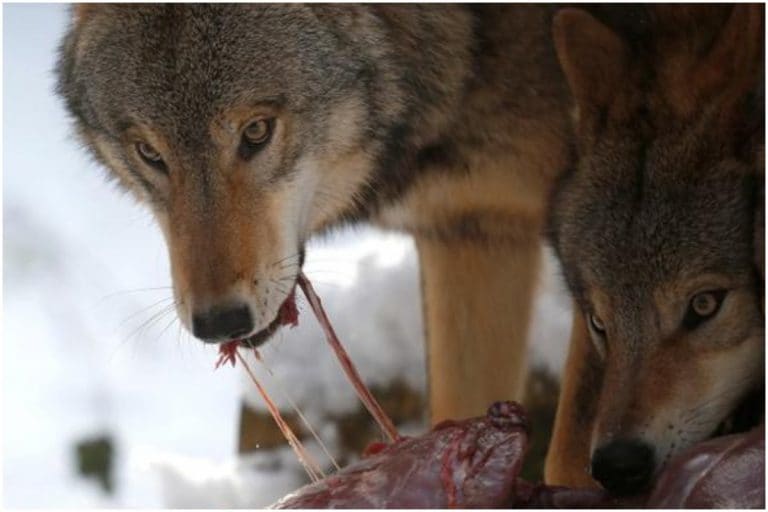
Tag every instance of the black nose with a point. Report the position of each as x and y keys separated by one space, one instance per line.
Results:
x=222 y=323
x=623 y=466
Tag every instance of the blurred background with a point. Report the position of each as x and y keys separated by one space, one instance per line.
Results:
x=106 y=401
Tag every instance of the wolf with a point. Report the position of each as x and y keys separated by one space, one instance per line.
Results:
x=247 y=129
x=659 y=231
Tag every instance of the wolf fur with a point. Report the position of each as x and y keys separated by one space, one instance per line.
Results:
x=449 y=122
x=665 y=203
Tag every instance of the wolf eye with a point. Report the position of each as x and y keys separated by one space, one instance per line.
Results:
x=597 y=324
x=597 y=327
x=258 y=131
x=150 y=155
x=703 y=305
x=255 y=136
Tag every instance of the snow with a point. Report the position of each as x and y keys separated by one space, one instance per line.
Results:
x=386 y=344
x=88 y=347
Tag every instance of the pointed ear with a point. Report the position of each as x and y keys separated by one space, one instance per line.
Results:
x=737 y=52
x=729 y=68
x=593 y=57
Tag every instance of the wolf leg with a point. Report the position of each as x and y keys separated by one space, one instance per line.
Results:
x=569 y=451
x=477 y=306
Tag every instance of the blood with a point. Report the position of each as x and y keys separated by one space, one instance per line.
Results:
x=289 y=313
x=228 y=353
x=375 y=448
x=447 y=472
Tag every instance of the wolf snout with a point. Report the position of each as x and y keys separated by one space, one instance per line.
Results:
x=623 y=466
x=222 y=323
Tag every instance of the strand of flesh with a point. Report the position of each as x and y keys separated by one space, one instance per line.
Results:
x=386 y=425
x=310 y=466
x=228 y=353
x=296 y=409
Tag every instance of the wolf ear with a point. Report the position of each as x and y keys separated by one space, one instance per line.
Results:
x=729 y=68
x=737 y=52
x=593 y=58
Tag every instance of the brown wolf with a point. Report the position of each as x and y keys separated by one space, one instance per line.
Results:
x=658 y=227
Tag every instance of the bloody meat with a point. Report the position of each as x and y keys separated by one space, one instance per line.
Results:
x=471 y=463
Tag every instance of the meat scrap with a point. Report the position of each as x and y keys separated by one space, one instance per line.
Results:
x=724 y=472
x=370 y=403
x=475 y=463
x=471 y=463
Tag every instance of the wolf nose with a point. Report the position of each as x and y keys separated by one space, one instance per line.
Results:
x=623 y=466
x=222 y=323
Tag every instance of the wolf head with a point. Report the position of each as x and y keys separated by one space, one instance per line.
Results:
x=245 y=128
x=655 y=226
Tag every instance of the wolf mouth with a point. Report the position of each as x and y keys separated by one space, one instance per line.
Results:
x=747 y=414
x=286 y=314
x=263 y=335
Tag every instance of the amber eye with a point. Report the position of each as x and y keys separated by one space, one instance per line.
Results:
x=150 y=155
x=703 y=306
x=597 y=324
x=597 y=327
x=258 y=132
x=147 y=152
x=256 y=136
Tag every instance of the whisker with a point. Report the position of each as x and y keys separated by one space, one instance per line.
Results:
x=327 y=283
x=294 y=255
x=152 y=320
x=145 y=309
x=137 y=290
x=282 y=289
x=290 y=264
x=174 y=319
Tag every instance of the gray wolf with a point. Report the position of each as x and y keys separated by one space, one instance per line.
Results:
x=247 y=129
x=658 y=229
